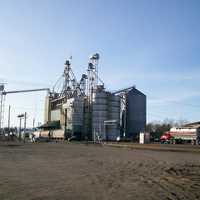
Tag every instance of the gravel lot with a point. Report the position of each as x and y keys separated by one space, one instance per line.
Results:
x=79 y=171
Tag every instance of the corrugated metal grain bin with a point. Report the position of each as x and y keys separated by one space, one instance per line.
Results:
x=112 y=126
x=136 y=113
x=74 y=116
x=99 y=114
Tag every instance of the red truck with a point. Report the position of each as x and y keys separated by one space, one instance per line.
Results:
x=166 y=138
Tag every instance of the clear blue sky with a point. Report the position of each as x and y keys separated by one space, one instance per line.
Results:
x=152 y=44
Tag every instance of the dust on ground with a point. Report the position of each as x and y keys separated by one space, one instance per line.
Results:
x=78 y=171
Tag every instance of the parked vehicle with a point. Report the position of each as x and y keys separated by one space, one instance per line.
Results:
x=166 y=138
x=180 y=136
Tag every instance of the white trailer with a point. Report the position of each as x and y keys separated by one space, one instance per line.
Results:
x=189 y=133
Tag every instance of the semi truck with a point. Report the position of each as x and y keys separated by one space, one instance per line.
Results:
x=181 y=135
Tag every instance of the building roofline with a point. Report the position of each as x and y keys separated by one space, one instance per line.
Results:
x=124 y=90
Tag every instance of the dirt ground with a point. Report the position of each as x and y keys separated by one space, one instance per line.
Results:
x=79 y=171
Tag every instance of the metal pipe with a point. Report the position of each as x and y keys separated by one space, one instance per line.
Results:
x=24 y=91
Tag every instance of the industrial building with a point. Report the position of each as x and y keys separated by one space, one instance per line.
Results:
x=86 y=110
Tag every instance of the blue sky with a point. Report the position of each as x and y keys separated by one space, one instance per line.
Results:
x=152 y=44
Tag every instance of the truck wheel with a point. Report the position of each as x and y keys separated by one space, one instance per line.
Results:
x=193 y=142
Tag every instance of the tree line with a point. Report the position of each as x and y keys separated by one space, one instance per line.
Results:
x=158 y=128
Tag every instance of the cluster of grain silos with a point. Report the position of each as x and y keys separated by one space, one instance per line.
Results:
x=101 y=121
x=85 y=110
x=105 y=115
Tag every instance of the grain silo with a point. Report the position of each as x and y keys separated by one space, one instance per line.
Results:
x=136 y=113
x=99 y=114
x=112 y=127
x=132 y=112
x=73 y=110
x=105 y=115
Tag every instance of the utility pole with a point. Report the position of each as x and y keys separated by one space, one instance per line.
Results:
x=9 y=117
x=66 y=134
x=1 y=106
x=25 y=116
x=9 y=122
x=20 y=125
x=33 y=123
